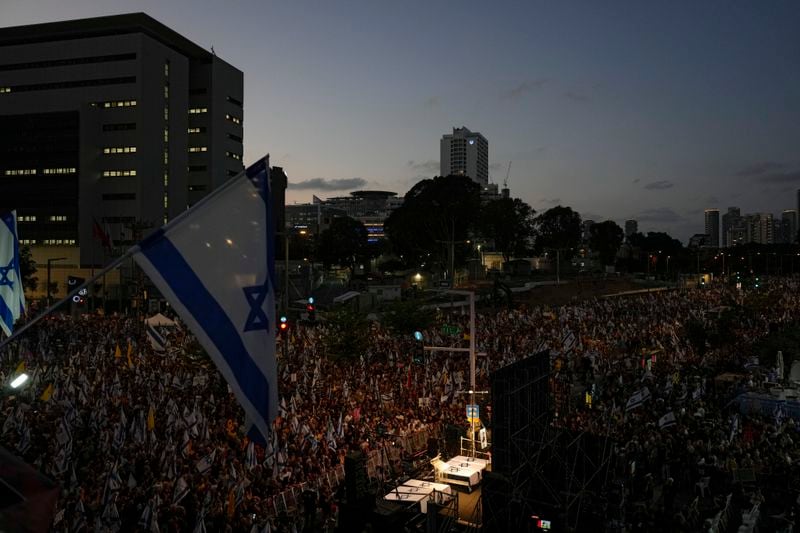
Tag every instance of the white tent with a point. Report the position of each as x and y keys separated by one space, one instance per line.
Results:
x=159 y=320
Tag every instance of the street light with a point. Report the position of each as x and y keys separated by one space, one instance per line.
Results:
x=50 y=262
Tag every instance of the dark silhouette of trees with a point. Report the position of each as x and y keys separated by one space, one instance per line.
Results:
x=605 y=239
x=509 y=223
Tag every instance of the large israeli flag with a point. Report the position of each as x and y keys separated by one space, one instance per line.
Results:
x=215 y=264
x=12 y=297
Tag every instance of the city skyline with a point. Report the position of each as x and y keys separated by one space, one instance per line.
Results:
x=642 y=112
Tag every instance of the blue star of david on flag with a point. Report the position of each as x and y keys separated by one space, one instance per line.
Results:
x=4 y=271
x=257 y=318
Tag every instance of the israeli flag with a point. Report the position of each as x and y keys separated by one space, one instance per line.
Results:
x=12 y=298
x=215 y=264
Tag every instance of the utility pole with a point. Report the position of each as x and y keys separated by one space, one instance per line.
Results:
x=472 y=355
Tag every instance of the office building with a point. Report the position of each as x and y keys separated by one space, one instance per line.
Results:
x=465 y=153
x=730 y=220
x=712 y=227
x=789 y=226
x=117 y=119
x=760 y=228
x=631 y=227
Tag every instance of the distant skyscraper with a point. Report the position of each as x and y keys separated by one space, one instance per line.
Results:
x=465 y=153
x=730 y=220
x=789 y=225
x=631 y=227
x=712 y=227
x=760 y=228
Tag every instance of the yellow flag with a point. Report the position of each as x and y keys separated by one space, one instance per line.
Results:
x=130 y=362
x=151 y=419
x=20 y=367
x=231 y=503
x=117 y=352
x=48 y=392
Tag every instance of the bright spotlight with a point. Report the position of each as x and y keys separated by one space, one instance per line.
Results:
x=19 y=380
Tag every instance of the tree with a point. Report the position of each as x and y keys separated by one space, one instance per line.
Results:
x=27 y=269
x=435 y=212
x=559 y=228
x=347 y=335
x=404 y=317
x=510 y=224
x=343 y=243
x=605 y=239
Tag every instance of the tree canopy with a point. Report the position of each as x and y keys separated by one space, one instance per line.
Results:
x=434 y=212
x=559 y=228
x=605 y=239
x=347 y=335
x=27 y=269
x=509 y=223
x=344 y=243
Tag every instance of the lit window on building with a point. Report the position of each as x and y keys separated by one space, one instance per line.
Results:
x=233 y=118
x=198 y=110
x=118 y=173
x=194 y=149
x=20 y=172
x=233 y=155
x=119 y=150
x=27 y=218
x=58 y=218
x=61 y=170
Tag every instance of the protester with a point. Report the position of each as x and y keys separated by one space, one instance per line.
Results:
x=140 y=438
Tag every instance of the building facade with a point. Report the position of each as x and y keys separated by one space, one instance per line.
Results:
x=760 y=228
x=631 y=227
x=118 y=120
x=712 y=227
x=731 y=219
x=465 y=153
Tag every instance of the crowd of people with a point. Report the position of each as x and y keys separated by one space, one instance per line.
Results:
x=155 y=440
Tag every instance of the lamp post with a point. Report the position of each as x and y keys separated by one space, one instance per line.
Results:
x=50 y=262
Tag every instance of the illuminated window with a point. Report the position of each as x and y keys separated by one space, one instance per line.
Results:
x=166 y=135
x=118 y=173
x=166 y=201
x=58 y=218
x=197 y=130
x=166 y=91
x=194 y=149
x=115 y=103
x=119 y=150
x=64 y=170
x=234 y=119
x=166 y=113
x=166 y=156
x=166 y=68
x=233 y=155
x=166 y=180
x=28 y=241
x=5 y=90
x=27 y=218
x=20 y=172
x=198 y=110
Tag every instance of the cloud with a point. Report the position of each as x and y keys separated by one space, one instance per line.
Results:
x=637 y=180
x=779 y=177
x=524 y=88
x=433 y=101
x=576 y=97
x=430 y=166
x=658 y=215
x=659 y=185
x=330 y=184
x=762 y=167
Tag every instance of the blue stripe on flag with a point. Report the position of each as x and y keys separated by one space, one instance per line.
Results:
x=210 y=316
x=6 y=317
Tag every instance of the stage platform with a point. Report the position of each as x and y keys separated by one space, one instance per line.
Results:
x=421 y=492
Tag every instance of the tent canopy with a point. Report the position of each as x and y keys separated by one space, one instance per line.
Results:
x=159 y=320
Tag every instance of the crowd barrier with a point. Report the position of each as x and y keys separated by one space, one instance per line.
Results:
x=290 y=500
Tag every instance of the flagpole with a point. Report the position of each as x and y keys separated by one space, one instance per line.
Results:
x=133 y=250
x=114 y=264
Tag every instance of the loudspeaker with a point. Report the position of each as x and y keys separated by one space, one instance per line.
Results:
x=355 y=477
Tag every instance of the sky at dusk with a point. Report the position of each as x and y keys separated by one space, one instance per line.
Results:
x=649 y=110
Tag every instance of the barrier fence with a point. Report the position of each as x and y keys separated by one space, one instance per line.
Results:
x=289 y=500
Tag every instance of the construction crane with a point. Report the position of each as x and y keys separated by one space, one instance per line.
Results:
x=505 y=192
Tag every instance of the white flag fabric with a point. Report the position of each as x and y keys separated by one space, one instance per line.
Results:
x=12 y=297
x=667 y=420
x=638 y=398
x=215 y=264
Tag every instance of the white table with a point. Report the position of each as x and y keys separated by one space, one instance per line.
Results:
x=418 y=491
x=462 y=470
